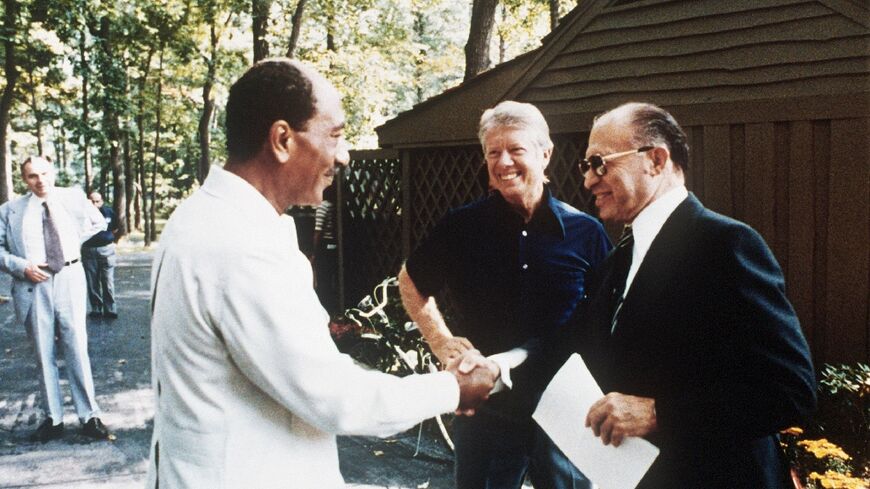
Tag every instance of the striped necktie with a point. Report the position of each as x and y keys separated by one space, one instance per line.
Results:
x=621 y=263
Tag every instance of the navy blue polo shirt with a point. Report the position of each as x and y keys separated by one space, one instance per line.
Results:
x=509 y=280
x=106 y=237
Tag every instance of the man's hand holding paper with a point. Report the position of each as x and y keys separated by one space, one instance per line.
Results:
x=574 y=395
x=615 y=416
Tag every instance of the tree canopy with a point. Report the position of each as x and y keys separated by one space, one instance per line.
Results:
x=126 y=96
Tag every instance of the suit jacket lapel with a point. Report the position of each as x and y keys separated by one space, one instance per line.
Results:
x=661 y=263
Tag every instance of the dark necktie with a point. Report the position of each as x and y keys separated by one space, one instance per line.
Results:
x=53 y=251
x=621 y=262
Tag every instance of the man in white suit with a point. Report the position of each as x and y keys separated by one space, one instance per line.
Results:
x=250 y=388
x=41 y=234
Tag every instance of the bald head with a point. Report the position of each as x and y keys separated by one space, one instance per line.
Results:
x=96 y=199
x=651 y=125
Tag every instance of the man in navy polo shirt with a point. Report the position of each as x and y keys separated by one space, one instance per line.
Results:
x=514 y=264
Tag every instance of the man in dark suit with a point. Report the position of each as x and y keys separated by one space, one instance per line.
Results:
x=686 y=325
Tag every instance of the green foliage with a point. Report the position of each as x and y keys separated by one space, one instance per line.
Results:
x=384 y=56
x=834 y=451
x=844 y=407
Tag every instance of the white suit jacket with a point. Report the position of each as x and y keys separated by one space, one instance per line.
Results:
x=13 y=259
x=250 y=388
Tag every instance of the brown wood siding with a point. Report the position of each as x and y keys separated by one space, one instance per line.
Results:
x=705 y=52
x=805 y=186
x=848 y=243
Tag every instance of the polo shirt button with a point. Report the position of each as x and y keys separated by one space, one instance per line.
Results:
x=525 y=233
x=525 y=266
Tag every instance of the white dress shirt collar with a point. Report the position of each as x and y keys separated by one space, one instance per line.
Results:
x=648 y=223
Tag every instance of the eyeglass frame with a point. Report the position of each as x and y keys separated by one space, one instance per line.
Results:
x=601 y=168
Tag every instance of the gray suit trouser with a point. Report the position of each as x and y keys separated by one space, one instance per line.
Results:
x=59 y=309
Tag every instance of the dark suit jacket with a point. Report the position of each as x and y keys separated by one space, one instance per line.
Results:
x=706 y=330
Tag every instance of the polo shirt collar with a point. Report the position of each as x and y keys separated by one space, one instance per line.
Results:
x=547 y=217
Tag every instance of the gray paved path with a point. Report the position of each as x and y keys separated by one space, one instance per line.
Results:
x=120 y=359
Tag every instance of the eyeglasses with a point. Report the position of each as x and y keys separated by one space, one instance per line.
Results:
x=598 y=162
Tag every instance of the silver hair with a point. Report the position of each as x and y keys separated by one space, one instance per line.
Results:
x=517 y=115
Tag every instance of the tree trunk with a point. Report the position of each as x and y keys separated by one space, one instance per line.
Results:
x=114 y=82
x=60 y=147
x=141 y=211
x=141 y=203
x=419 y=34
x=207 y=111
x=11 y=9
x=502 y=44
x=479 y=34
x=330 y=32
x=296 y=29
x=152 y=230
x=37 y=115
x=103 y=185
x=554 y=13
x=129 y=177
x=259 y=26
x=86 y=136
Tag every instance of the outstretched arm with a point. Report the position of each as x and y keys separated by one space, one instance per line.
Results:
x=424 y=311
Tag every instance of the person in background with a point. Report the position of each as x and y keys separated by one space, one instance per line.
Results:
x=41 y=234
x=515 y=264
x=249 y=386
x=325 y=257
x=98 y=256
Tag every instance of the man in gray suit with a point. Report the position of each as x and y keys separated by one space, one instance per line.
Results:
x=41 y=234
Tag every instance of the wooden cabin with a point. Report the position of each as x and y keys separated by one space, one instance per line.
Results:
x=774 y=95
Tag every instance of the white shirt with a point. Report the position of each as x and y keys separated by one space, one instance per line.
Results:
x=648 y=223
x=34 y=240
x=252 y=389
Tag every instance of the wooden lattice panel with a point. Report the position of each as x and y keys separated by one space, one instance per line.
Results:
x=565 y=179
x=372 y=223
x=441 y=179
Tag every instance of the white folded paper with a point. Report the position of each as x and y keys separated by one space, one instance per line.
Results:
x=562 y=414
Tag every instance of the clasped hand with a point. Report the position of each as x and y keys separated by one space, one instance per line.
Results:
x=476 y=376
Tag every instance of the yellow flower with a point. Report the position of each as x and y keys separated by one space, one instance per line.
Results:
x=823 y=448
x=836 y=480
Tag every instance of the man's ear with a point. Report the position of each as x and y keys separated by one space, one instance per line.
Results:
x=547 y=154
x=280 y=141
x=659 y=156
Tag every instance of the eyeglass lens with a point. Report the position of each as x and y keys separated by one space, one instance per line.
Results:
x=594 y=162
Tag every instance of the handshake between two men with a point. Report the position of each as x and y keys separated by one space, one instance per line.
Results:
x=476 y=376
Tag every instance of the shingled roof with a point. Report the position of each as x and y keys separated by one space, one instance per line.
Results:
x=705 y=60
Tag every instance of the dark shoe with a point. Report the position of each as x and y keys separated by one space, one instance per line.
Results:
x=95 y=428
x=47 y=431
x=111 y=315
x=94 y=314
